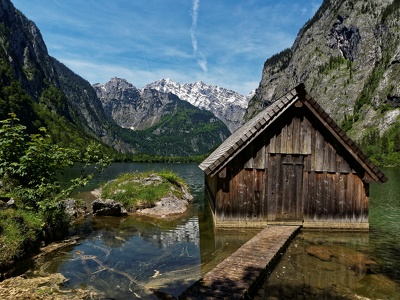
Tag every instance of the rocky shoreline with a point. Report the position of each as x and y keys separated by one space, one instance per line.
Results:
x=52 y=286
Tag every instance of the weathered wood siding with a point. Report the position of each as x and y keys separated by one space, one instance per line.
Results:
x=292 y=174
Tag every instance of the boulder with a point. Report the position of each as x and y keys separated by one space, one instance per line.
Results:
x=170 y=205
x=167 y=206
x=9 y=204
x=108 y=207
x=72 y=208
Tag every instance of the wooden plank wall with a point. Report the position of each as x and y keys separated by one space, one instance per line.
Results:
x=243 y=200
x=252 y=187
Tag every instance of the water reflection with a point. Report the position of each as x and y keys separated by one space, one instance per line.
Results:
x=129 y=257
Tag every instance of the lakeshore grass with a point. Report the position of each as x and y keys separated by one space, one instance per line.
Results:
x=19 y=230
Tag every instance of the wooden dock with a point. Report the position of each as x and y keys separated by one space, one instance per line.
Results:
x=239 y=274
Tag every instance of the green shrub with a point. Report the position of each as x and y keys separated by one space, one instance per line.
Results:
x=28 y=170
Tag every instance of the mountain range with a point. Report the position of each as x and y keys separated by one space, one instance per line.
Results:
x=131 y=108
x=229 y=106
x=161 y=122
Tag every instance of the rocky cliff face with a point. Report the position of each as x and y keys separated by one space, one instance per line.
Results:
x=348 y=57
x=120 y=101
x=25 y=50
x=227 y=105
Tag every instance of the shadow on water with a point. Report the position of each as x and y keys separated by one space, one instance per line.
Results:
x=223 y=287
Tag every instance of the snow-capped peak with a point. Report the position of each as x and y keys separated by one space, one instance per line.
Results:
x=227 y=105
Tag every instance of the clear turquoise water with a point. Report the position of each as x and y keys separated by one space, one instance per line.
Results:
x=128 y=258
x=364 y=265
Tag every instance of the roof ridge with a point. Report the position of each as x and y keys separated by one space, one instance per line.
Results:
x=234 y=142
x=250 y=130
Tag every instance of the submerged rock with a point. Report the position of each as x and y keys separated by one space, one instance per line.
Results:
x=108 y=208
x=352 y=259
x=320 y=252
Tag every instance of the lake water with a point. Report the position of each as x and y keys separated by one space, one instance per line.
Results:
x=130 y=257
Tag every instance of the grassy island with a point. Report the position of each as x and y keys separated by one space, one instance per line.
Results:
x=144 y=189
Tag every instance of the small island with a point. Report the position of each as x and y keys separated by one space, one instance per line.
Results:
x=157 y=194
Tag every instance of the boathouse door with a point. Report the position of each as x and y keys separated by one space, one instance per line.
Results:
x=285 y=188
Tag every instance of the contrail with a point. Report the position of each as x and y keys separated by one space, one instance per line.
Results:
x=195 y=11
x=201 y=59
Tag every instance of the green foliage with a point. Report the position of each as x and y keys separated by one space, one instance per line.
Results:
x=282 y=57
x=369 y=88
x=54 y=100
x=335 y=62
x=28 y=170
x=391 y=9
x=29 y=164
x=172 y=177
x=347 y=122
x=396 y=141
x=384 y=150
x=141 y=190
x=367 y=92
x=185 y=132
x=13 y=97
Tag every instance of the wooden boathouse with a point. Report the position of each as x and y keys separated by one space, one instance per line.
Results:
x=290 y=164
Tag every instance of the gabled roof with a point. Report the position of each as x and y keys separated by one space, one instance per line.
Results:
x=249 y=131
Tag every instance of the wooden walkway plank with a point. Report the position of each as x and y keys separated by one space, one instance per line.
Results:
x=237 y=275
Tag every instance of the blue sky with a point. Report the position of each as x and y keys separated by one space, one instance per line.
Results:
x=221 y=42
